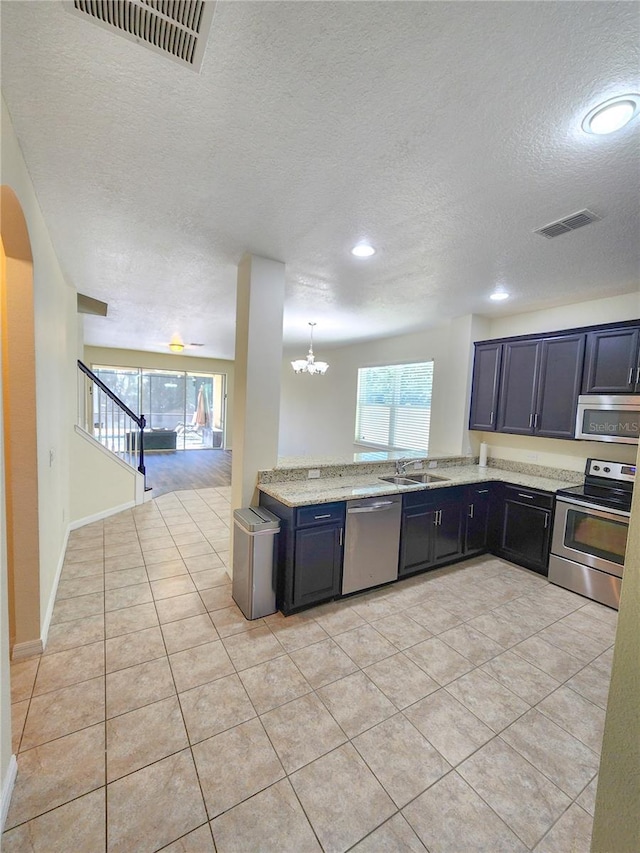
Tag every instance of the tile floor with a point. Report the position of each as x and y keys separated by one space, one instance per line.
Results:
x=460 y=711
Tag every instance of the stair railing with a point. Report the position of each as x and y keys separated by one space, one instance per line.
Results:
x=110 y=421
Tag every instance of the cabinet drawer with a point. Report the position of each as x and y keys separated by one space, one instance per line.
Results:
x=319 y=514
x=433 y=497
x=544 y=500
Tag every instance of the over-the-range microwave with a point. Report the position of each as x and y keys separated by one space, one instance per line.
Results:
x=610 y=417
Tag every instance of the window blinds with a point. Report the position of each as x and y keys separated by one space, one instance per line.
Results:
x=394 y=405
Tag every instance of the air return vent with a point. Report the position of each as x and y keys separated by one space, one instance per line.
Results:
x=569 y=223
x=89 y=305
x=175 y=28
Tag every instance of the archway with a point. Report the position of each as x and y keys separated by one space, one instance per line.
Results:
x=20 y=432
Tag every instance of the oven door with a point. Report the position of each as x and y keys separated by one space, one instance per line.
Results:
x=591 y=535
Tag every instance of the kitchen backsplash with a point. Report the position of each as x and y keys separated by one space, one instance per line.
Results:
x=328 y=468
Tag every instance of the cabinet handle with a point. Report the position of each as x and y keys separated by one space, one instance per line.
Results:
x=531 y=421
x=326 y=515
x=528 y=497
x=491 y=418
x=535 y=421
x=470 y=510
x=546 y=520
x=482 y=491
x=439 y=517
x=637 y=375
x=630 y=376
x=341 y=532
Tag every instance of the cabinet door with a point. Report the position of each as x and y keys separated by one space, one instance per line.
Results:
x=317 y=564
x=477 y=508
x=561 y=364
x=447 y=538
x=416 y=539
x=484 y=388
x=611 y=362
x=518 y=387
x=525 y=535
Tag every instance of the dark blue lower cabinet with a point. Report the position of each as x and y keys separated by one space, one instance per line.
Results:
x=524 y=532
x=431 y=533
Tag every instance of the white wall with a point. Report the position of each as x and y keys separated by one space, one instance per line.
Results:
x=56 y=349
x=612 y=309
x=55 y=341
x=99 y=484
x=317 y=413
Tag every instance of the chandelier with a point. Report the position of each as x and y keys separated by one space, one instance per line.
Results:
x=309 y=364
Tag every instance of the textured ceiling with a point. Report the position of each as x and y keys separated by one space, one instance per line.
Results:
x=443 y=132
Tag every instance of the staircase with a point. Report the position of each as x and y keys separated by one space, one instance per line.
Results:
x=108 y=420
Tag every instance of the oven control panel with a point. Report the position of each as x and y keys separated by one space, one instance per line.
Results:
x=611 y=470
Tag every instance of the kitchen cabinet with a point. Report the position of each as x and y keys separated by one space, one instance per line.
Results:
x=477 y=515
x=317 y=564
x=485 y=384
x=518 y=387
x=539 y=386
x=524 y=527
x=310 y=549
x=431 y=531
x=612 y=362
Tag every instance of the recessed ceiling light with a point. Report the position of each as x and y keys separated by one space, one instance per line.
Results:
x=363 y=250
x=499 y=294
x=612 y=114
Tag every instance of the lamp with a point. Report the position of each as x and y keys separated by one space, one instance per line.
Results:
x=309 y=364
x=175 y=346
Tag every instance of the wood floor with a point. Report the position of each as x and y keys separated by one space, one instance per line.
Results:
x=171 y=471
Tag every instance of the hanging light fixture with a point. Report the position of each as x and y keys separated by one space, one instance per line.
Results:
x=309 y=364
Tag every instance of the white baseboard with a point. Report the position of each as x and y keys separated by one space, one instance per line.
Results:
x=7 y=789
x=28 y=649
x=81 y=522
x=46 y=622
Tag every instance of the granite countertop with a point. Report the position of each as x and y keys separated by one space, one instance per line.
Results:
x=352 y=486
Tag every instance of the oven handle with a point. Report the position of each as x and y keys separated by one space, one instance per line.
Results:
x=597 y=507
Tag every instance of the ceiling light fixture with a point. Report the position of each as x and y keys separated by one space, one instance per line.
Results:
x=363 y=250
x=612 y=114
x=309 y=364
x=499 y=294
x=176 y=345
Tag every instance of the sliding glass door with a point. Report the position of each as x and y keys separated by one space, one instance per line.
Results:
x=184 y=411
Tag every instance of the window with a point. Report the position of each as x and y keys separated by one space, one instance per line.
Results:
x=393 y=408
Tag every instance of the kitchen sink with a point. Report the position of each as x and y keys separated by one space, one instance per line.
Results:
x=412 y=479
x=425 y=478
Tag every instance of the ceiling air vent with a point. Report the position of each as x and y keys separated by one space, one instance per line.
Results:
x=569 y=223
x=175 y=28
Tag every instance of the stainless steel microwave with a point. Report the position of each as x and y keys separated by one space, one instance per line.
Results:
x=611 y=417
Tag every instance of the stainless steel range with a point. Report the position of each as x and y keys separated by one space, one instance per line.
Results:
x=590 y=529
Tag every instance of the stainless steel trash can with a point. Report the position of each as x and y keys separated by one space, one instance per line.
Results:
x=254 y=586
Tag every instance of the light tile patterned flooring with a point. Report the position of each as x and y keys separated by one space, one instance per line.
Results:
x=457 y=711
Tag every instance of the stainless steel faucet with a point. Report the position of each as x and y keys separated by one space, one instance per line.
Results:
x=402 y=465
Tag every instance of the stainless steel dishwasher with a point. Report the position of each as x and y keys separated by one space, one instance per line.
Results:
x=372 y=542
